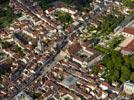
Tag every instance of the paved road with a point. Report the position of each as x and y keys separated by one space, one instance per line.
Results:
x=37 y=15
x=51 y=61
x=41 y=71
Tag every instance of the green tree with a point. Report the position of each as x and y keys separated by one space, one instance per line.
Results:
x=18 y=50
x=115 y=76
x=126 y=60
x=116 y=60
x=128 y=3
x=132 y=77
x=125 y=74
x=117 y=63
x=5 y=44
x=67 y=1
x=44 y=4
x=108 y=23
x=64 y=17
x=132 y=62
x=95 y=69
x=109 y=65
x=3 y=2
x=7 y=15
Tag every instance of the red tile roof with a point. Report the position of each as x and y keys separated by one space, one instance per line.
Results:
x=129 y=30
x=129 y=47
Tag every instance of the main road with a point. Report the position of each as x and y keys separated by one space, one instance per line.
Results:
x=53 y=58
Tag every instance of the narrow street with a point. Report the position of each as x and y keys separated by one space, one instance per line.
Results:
x=50 y=63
